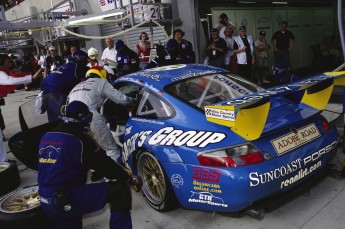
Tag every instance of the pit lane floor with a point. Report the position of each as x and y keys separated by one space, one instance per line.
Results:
x=323 y=208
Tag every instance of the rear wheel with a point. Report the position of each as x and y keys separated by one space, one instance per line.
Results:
x=156 y=187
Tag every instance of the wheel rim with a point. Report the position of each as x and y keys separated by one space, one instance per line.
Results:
x=4 y=166
x=154 y=186
x=22 y=200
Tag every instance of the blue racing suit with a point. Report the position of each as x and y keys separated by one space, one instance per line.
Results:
x=65 y=156
x=127 y=61
x=57 y=85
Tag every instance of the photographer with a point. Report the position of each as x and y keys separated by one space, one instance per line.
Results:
x=224 y=23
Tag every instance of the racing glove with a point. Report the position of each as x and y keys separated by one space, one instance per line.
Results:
x=136 y=182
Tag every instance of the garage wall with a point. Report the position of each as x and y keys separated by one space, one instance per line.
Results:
x=309 y=26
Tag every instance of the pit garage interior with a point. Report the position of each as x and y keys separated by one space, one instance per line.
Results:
x=32 y=24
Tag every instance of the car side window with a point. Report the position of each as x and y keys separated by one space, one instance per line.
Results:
x=151 y=106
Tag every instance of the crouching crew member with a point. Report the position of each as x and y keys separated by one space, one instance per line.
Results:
x=66 y=153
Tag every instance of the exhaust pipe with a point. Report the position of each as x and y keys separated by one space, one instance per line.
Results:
x=256 y=211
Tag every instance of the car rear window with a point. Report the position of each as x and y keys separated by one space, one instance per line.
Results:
x=210 y=89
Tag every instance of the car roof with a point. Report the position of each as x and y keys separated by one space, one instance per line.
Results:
x=161 y=76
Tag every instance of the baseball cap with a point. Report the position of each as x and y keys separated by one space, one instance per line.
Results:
x=228 y=29
x=263 y=33
x=51 y=48
x=214 y=30
x=223 y=15
x=242 y=28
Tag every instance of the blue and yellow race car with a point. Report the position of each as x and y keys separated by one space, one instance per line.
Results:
x=206 y=139
x=210 y=140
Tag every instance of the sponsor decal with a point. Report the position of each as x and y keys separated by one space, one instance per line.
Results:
x=167 y=68
x=48 y=151
x=232 y=84
x=193 y=74
x=169 y=136
x=297 y=138
x=206 y=198
x=206 y=187
x=128 y=130
x=206 y=174
x=177 y=181
x=220 y=114
x=148 y=121
x=312 y=162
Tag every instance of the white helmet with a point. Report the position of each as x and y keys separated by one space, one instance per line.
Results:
x=92 y=53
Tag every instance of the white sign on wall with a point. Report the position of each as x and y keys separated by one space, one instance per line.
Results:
x=106 y=5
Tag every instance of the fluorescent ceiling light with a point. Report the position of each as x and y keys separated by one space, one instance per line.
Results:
x=94 y=18
x=246 y=2
x=281 y=3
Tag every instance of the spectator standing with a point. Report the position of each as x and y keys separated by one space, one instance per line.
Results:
x=244 y=49
x=63 y=191
x=42 y=56
x=143 y=49
x=165 y=55
x=261 y=56
x=127 y=59
x=230 y=56
x=282 y=43
x=66 y=52
x=8 y=83
x=109 y=54
x=52 y=61
x=216 y=49
x=186 y=54
x=223 y=23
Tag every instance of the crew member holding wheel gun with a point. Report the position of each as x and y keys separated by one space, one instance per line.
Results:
x=66 y=153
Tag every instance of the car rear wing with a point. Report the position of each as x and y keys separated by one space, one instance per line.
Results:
x=247 y=115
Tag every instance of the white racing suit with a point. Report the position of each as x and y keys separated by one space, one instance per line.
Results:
x=93 y=92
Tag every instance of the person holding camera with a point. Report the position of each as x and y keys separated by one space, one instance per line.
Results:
x=224 y=23
x=216 y=49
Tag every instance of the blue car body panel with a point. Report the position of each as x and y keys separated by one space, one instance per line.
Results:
x=217 y=188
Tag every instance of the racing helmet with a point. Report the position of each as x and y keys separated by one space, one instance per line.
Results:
x=79 y=112
x=98 y=72
x=79 y=57
x=92 y=53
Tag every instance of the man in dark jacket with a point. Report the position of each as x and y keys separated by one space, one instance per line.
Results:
x=66 y=153
x=127 y=59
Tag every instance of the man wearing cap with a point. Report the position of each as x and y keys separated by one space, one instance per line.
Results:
x=223 y=23
x=109 y=54
x=244 y=49
x=186 y=54
x=52 y=61
x=127 y=59
x=215 y=49
x=282 y=44
x=229 y=39
x=261 y=55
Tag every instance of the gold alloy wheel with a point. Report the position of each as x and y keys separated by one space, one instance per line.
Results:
x=154 y=186
x=21 y=200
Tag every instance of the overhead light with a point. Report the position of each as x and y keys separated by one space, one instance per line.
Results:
x=280 y=3
x=93 y=18
x=246 y=2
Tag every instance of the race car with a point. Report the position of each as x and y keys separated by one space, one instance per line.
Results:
x=206 y=139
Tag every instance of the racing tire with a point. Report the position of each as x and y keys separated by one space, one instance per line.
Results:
x=22 y=209
x=156 y=188
x=9 y=177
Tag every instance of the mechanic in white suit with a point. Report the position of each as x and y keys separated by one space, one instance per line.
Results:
x=8 y=82
x=244 y=49
x=93 y=92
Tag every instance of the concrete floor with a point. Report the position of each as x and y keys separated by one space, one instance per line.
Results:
x=323 y=208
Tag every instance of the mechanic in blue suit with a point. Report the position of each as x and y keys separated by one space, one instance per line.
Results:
x=58 y=84
x=127 y=59
x=66 y=153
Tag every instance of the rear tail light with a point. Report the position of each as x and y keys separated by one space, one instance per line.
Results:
x=325 y=125
x=231 y=157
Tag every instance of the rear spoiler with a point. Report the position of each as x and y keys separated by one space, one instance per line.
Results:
x=247 y=115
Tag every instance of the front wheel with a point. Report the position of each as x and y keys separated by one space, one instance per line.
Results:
x=156 y=188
